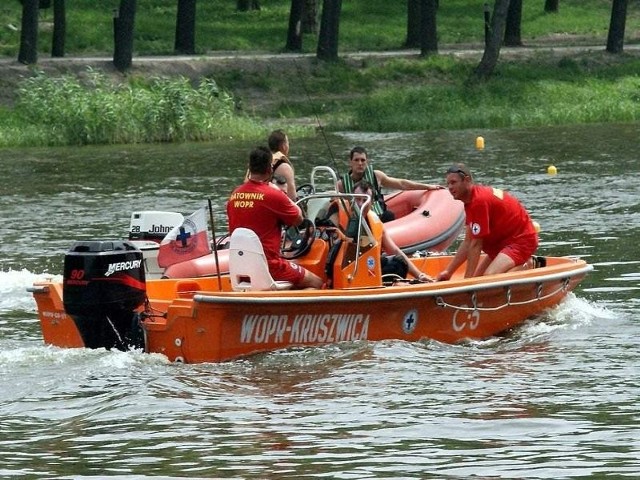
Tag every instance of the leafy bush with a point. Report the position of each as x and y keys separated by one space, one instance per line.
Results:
x=103 y=112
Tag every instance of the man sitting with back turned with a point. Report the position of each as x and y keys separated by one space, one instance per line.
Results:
x=496 y=223
x=262 y=207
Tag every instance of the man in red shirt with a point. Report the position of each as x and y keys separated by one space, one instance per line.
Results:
x=496 y=223
x=262 y=207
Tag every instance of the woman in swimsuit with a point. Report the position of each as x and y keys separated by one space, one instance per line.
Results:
x=279 y=146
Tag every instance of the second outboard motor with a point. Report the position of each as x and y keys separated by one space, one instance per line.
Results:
x=103 y=286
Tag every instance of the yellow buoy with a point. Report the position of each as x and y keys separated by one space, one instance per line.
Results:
x=552 y=170
x=536 y=226
x=480 y=143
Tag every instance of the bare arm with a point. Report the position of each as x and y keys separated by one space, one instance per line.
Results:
x=386 y=181
x=482 y=266
x=473 y=257
x=457 y=260
x=286 y=171
x=300 y=218
x=390 y=247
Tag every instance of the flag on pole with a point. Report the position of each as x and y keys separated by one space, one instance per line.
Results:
x=186 y=241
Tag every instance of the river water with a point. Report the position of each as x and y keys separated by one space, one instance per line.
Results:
x=557 y=398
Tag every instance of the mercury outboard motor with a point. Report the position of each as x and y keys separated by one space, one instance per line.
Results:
x=103 y=286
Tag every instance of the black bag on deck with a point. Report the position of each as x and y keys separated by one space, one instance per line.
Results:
x=394 y=265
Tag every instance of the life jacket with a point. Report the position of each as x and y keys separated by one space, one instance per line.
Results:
x=278 y=163
x=378 y=204
x=282 y=160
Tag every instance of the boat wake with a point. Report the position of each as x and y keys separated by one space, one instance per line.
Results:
x=13 y=289
x=574 y=313
x=18 y=355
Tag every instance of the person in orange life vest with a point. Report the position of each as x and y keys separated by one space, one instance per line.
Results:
x=496 y=223
x=261 y=206
x=388 y=245
x=359 y=169
x=278 y=142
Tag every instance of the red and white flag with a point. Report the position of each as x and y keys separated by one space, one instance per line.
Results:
x=187 y=241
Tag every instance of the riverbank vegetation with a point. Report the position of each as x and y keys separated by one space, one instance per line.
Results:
x=63 y=111
x=401 y=92
x=536 y=92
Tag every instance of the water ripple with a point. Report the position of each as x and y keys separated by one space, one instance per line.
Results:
x=554 y=398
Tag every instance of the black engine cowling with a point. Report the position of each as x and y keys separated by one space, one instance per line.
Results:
x=103 y=286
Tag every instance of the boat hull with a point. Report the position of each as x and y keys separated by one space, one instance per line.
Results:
x=200 y=320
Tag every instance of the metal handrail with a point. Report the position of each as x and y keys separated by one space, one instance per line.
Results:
x=344 y=197
x=324 y=168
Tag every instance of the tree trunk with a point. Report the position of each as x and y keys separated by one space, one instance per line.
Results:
x=42 y=4
x=246 y=5
x=615 y=38
x=414 y=15
x=59 y=28
x=294 y=34
x=512 y=34
x=310 y=17
x=123 y=27
x=185 y=41
x=428 y=28
x=329 y=28
x=28 y=53
x=492 y=50
x=486 y=15
x=551 y=6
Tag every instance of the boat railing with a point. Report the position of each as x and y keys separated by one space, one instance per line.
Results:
x=316 y=205
x=323 y=168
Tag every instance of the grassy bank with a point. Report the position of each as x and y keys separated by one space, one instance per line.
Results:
x=64 y=111
x=205 y=100
x=538 y=91
x=383 y=95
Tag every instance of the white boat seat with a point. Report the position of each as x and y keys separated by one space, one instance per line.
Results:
x=317 y=208
x=248 y=267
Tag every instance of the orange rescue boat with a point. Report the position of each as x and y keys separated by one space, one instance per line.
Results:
x=104 y=300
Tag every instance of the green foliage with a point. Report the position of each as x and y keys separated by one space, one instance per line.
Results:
x=65 y=111
x=370 y=25
x=384 y=94
x=522 y=94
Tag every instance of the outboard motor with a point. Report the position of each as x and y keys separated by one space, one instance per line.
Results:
x=146 y=231
x=151 y=225
x=103 y=286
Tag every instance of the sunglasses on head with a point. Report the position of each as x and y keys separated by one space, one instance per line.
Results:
x=459 y=171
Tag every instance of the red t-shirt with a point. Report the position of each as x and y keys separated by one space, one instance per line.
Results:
x=264 y=209
x=497 y=218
